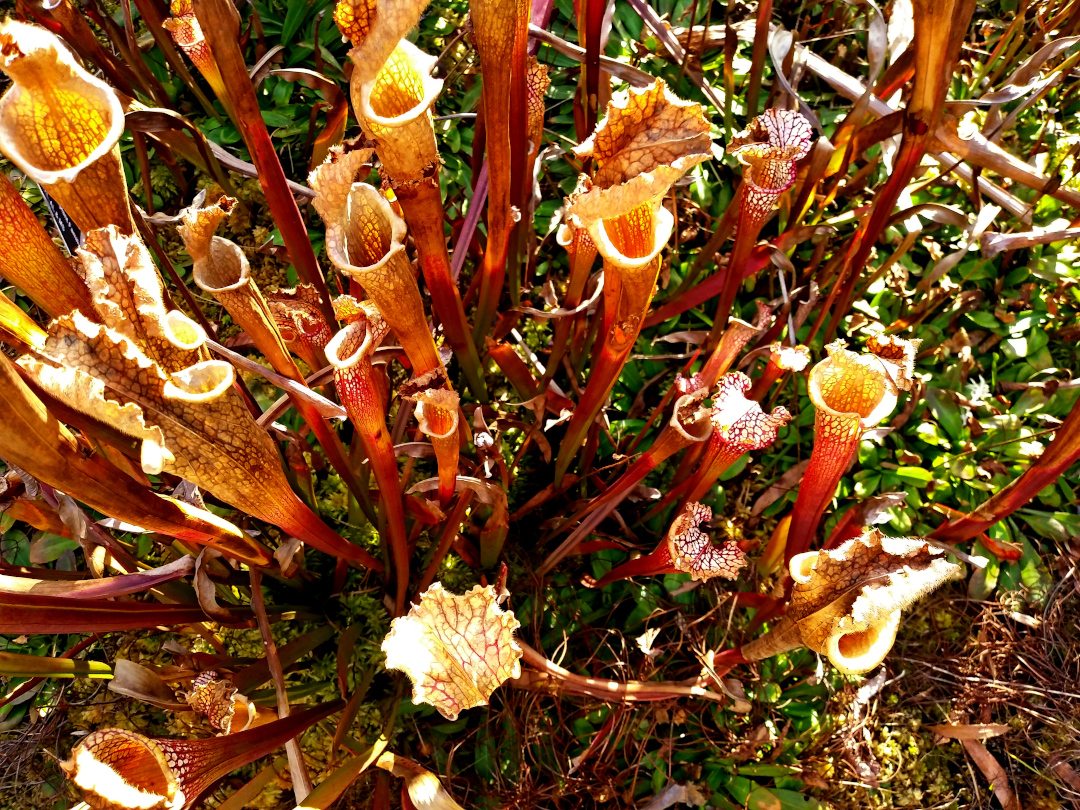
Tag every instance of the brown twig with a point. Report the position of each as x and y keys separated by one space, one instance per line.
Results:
x=549 y=675
x=300 y=777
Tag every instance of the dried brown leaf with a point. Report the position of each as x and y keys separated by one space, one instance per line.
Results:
x=993 y=772
x=962 y=731
x=136 y=681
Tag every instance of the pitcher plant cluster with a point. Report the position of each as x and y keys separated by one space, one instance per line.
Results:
x=120 y=399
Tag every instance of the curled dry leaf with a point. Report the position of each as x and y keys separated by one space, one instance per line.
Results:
x=336 y=106
x=846 y=602
x=994 y=773
x=136 y=681
x=44 y=550
x=205 y=590
x=457 y=650
x=869 y=512
x=128 y=298
x=290 y=556
x=965 y=731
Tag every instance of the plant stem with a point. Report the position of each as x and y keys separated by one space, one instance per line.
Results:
x=607 y=691
x=836 y=438
x=746 y=234
x=301 y=780
x=500 y=30
x=669 y=442
x=221 y=26
x=582 y=254
x=423 y=210
x=450 y=531
x=626 y=300
x=1043 y=472
x=757 y=62
x=653 y=564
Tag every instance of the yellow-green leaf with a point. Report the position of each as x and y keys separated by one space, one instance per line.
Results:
x=15 y=665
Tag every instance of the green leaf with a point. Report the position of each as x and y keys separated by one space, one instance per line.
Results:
x=294 y=18
x=737 y=467
x=760 y=769
x=775 y=799
x=48 y=547
x=16 y=665
x=987 y=320
x=770 y=692
x=1059 y=526
x=931 y=434
x=15 y=547
x=914 y=475
x=946 y=411
x=273 y=119
x=740 y=789
x=451 y=728
x=866 y=484
x=984 y=581
x=1033 y=574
